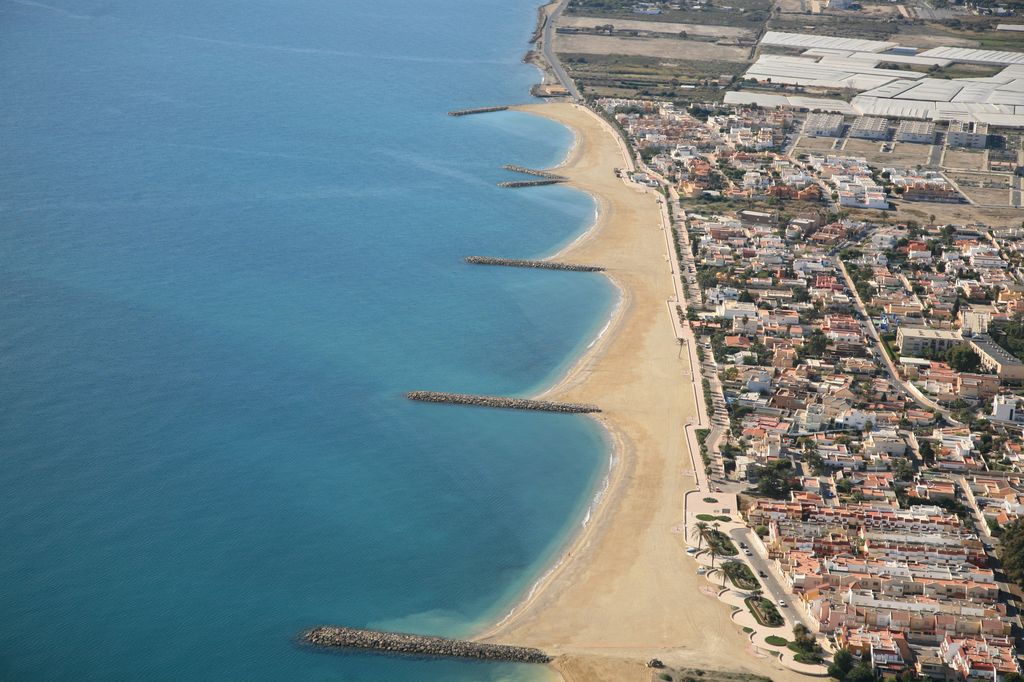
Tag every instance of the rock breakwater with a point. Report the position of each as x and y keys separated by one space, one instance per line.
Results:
x=530 y=183
x=478 y=110
x=533 y=171
x=539 y=264
x=501 y=402
x=419 y=645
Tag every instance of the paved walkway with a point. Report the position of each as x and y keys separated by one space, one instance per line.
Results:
x=721 y=587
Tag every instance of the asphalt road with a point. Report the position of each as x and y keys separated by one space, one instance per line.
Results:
x=549 y=52
x=771 y=586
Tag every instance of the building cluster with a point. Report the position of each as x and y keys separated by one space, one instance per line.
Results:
x=877 y=490
x=738 y=153
x=870 y=372
x=907 y=587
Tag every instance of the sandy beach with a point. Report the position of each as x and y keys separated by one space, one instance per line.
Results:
x=625 y=592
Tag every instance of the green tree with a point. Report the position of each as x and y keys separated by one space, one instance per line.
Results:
x=816 y=343
x=963 y=358
x=904 y=470
x=842 y=663
x=702 y=529
x=1013 y=551
x=862 y=672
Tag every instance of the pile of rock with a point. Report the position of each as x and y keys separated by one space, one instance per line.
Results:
x=539 y=264
x=419 y=645
x=499 y=402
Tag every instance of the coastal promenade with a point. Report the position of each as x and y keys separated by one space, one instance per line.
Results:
x=624 y=591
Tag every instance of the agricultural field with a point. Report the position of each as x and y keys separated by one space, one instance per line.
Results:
x=664 y=48
x=749 y=14
x=638 y=76
x=718 y=32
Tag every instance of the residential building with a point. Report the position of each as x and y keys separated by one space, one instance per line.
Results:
x=870 y=128
x=1006 y=408
x=916 y=131
x=823 y=125
x=970 y=134
x=917 y=340
x=997 y=359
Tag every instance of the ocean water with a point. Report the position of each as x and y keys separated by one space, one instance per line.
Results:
x=230 y=238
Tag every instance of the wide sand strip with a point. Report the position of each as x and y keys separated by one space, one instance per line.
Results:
x=625 y=589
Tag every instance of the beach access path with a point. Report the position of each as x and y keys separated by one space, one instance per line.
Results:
x=624 y=592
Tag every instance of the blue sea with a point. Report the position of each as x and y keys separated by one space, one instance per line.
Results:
x=231 y=238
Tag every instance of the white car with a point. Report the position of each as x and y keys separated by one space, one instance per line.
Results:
x=782 y=603
x=748 y=552
x=701 y=570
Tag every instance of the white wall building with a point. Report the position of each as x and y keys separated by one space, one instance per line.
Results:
x=968 y=134
x=870 y=128
x=823 y=125
x=916 y=131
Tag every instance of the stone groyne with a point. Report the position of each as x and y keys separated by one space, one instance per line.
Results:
x=419 y=645
x=539 y=264
x=530 y=183
x=500 y=402
x=478 y=110
x=533 y=171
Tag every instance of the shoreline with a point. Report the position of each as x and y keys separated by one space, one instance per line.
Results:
x=620 y=591
x=604 y=492
x=605 y=482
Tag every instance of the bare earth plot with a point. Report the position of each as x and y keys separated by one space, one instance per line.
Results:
x=654 y=26
x=984 y=188
x=816 y=145
x=957 y=214
x=903 y=154
x=666 y=48
x=963 y=160
x=792 y=6
x=925 y=40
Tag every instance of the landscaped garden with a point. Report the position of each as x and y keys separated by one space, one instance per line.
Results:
x=805 y=646
x=764 y=612
x=740 y=575
x=775 y=640
x=712 y=517
x=720 y=543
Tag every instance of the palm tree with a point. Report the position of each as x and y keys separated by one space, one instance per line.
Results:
x=720 y=569
x=703 y=531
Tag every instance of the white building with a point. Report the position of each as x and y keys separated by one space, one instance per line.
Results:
x=916 y=131
x=730 y=310
x=823 y=125
x=870 y=128
x=968 y=134
x=916 y=340
x=1006 y=408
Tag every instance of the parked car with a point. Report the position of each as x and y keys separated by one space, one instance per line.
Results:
x=762 y=574
x=692 y=550
x=748 y=552
x=782 y=603
x=701 y=570
x=743 y=545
